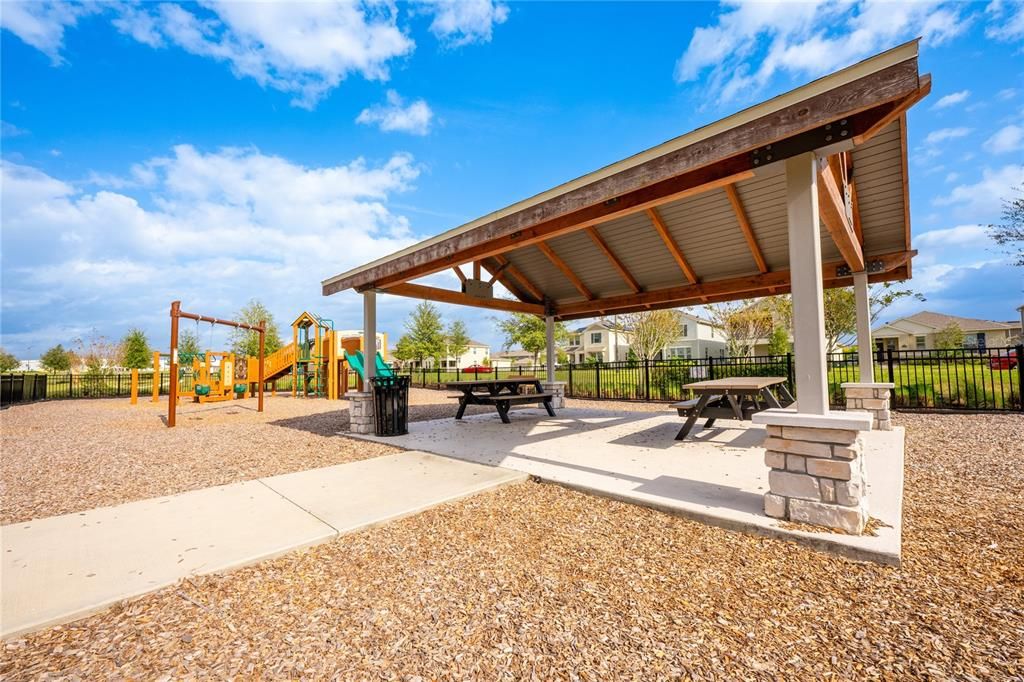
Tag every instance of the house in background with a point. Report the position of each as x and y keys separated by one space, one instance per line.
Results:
x=700 y=338
x=599 y=341
x=918 y=331
x=476 y=353
x=513 y=358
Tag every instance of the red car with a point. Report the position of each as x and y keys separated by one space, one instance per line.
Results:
x=1008 y=361
x=477 y=369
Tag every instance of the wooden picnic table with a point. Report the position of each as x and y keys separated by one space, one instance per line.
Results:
x=501 y=393
x=731 y=398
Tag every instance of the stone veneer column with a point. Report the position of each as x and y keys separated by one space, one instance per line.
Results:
x=817 y=468
x=360 y=410
x=872 y=398
x=556 y=388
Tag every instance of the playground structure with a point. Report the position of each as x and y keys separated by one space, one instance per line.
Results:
x=319 y=359
x=207 y=385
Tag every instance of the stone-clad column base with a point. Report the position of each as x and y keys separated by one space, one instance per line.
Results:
x=557 y=389
x=873 y=398
x=360 y=410
x=817 y=468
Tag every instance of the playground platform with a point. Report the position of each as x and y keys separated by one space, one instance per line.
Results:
x=62 y=568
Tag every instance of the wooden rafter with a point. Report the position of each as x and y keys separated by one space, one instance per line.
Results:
x=476 y=269
x=895 y=110
x=748 y=232
x=851 y=184
x=566 y=270
x=428 y=293
x=613 y=259
x=496 y=272
x=518 y=275
x=461 y=275
x=671 y=245
x=724 y=289
x=832 y=208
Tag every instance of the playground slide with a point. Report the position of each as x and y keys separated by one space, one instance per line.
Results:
x=355 y=361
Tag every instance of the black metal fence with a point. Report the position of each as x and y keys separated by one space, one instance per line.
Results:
x=961 y=379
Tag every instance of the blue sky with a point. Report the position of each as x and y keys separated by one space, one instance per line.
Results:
x=227 y=151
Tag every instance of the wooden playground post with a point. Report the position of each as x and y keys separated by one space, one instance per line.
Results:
x=135 y=386
x=176 y=313
x=156 y=376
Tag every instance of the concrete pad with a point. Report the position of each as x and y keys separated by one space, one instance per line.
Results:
x=66 y=567
x=63 y=568
x=358 y=495
x=716 y=475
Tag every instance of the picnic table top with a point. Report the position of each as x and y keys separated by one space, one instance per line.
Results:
x=487 y=382
x=736 y=383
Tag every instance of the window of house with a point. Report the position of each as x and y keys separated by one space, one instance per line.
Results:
x=679 y=352
x=919 y=342
x=980 y=343
x=595 y=337
x=686 y=330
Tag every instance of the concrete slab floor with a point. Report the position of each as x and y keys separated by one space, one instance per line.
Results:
x=716 y=475
x=62 y=568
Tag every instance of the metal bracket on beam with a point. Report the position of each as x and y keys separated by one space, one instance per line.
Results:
x=870 y=267
x=822 y=136
x=549 y=307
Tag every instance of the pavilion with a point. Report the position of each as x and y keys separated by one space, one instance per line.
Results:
x=805 y=191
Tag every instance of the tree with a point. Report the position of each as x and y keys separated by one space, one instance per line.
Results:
x=1010 y=233
x=743 y=322
x=529 y=332
x=97 y=352
x=135 y=352
x=188 y=344
x=424 y=334
x=457 y=339
x=651 y=331
x=778 y=342
x=949 y=337
x=246 y=341
x=8 y=363
x=56 y=359
x=404 y=349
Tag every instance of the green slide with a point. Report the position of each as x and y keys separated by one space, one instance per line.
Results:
x=355 y=361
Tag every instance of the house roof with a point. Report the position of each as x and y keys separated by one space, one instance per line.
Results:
x=699 y=218
x=938 y=321
x=603 y=324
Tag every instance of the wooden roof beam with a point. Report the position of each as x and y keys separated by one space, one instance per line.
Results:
x=671 y=245
x=461 y=275
x=726 y=288
x=748 y=232
x=518 y=275
x=613 y=259
x=428 y=293
x=832 y=209
x=566 y=270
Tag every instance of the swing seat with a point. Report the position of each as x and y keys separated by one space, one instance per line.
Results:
x=240 y=388
x=202 y=389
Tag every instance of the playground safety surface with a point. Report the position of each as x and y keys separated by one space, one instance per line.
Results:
x=537 y=581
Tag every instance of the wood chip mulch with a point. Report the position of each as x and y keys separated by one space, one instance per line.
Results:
x=540 y=582
x=67 y=456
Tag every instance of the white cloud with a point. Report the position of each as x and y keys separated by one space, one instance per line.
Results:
x=214 y=229
x=951 y=99
x=11 y=130
x=961 y=235
x=462 y=22
x=396 y=116
x=1006 y=94
x=1006 y=20
x=305 y=49
x=1007 y=139
x=952 y=177
x=943 y=134
x=751 y=43
x=41 y=23
x=983 y=200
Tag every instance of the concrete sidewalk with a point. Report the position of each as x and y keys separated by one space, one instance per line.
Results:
x=58 y=569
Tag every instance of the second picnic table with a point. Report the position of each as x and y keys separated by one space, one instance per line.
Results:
x=501 y=393
x=731 y=398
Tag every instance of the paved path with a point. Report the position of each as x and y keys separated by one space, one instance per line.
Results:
x=62 y=568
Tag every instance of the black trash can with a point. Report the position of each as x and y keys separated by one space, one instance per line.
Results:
x=391 y=405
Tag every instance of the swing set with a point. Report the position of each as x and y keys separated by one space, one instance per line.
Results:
x=209 y=386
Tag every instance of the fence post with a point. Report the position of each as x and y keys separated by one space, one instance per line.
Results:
x=888 y=363
x=711 y=367
x=647 y=379
x=597 y=371
x=1020 y=374
x=789 y=373
x=568 y=393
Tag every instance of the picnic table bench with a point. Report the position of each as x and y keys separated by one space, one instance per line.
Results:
x=501 y=393
x=731 y=398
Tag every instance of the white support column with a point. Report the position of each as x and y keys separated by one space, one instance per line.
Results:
x=864 y=355
x=807 y=293
x=552 y=352
x=369 y=335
